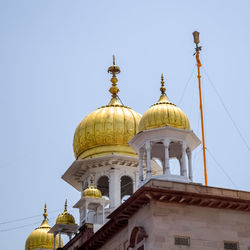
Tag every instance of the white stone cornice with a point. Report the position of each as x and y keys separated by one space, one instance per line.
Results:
x=78 y=169
x=172 y=134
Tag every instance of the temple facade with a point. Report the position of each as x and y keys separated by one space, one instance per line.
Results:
x=130 y=197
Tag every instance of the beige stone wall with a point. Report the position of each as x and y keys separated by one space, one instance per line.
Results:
x=119 y=242
x=207 y=228
x=142 y=218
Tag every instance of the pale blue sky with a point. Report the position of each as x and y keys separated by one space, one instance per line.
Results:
x=54 y=57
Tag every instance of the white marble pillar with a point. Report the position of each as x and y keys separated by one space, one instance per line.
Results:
x=60 y=239
x=114 y=188
x=54 y=241
x=80 y=216
x=136 y=181
x=148 y=161
x=180 y=163
x=183 y=160
x=141 y=152
x=190 y=167
x=95 y=215
x=70 y=236
x=103 y=218
x=83 y=185
x=86 y=212
x=166 y=167
x=96 y=178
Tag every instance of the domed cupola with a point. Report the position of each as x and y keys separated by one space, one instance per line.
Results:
x=92 y=191
x=92 y=206
x=65 y=224
x=164 y=113
x=40 y=238
x=108 y=129
x=65 y=218
x=165 y=135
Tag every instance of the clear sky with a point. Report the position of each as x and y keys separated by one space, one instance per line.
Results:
x=54 y=57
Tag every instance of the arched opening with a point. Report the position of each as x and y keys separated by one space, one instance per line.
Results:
x=137 y=238
x=126 y=187
x=103 y=185
x=157 y=154
x=174 y=166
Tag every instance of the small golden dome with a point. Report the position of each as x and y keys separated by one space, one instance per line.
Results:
x=164 y=113
x=91 y=191
x=40 y=238
x=65 y=217
x=108 y=129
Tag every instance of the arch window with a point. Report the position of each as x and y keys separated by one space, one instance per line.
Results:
x=103 y=185
x=126 y=187
x=137 y=239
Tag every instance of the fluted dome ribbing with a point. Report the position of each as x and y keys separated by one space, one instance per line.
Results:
x=164 y=113
x=105 y=131
x=108 y=129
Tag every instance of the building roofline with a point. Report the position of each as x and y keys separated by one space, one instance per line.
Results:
x=169 y=192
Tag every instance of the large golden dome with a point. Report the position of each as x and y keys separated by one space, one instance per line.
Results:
x=65 y=217
x=164 y=113
x=40 y=238
x=108 y=129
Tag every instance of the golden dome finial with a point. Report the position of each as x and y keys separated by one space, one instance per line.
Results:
x=163 y=89
x=114 y=70
x=45 y=212
x=65 y=206
x=163 y=97
x=91 y=181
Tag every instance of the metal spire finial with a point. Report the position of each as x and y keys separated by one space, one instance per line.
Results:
x=163 y=89
x=45 y=212
x=91 y=180
x=196 y=36
x=65 y=206
x=114 y=70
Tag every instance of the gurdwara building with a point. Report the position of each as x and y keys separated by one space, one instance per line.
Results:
x=129 y=196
